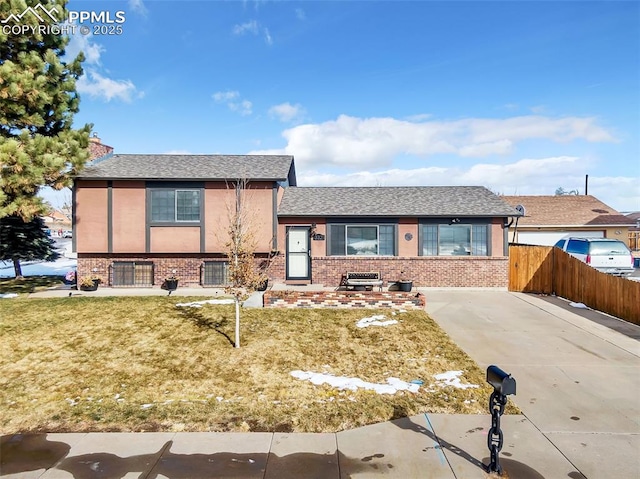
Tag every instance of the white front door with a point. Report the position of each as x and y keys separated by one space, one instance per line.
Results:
x=298 y=265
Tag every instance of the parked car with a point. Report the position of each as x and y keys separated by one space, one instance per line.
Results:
x=607 y=255
x=67 y=234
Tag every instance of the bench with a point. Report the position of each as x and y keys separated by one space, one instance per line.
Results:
x=367 y=280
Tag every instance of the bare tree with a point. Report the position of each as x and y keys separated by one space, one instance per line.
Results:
x=244 y=273
x=561 y=192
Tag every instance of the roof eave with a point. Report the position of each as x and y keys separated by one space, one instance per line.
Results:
x=580 y=225
x=351 y=215
x=146 y=178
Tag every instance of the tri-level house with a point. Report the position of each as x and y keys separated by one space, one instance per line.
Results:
x=141 y=218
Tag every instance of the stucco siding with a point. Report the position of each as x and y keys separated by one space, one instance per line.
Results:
x=497 y=237
x=129 y=212
x=259 y=205
x=218 y=202
x=91 y=220
x=170 y=239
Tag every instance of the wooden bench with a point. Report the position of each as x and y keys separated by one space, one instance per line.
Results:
x=368 y=280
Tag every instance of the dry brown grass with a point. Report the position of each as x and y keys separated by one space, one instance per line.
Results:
x=141 y=364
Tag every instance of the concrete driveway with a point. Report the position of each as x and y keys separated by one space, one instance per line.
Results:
x=577 y=371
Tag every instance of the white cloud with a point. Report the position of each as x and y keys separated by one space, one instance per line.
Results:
x=253 y=27
x=523 y=177
x=234 y=102
x=138 y=6
x=244 y=107
x=376 y=142
x=177 y=152
x=419 y=117
x=93 y=82
x=287 y=112
x=96 y=85
x=84 y=43
x=248 y=27
x=224 y=96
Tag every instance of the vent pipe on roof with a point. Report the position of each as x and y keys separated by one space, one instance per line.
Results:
x=586 y=185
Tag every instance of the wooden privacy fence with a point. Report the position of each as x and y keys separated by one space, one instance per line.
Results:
x=549 y=270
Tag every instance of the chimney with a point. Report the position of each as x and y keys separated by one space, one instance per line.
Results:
x=586 y=185
x=97 y=149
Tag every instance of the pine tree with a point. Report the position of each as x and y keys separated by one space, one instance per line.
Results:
x=25 y=241
x=37 y=102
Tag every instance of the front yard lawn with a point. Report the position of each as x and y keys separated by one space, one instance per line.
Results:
x=143 y=364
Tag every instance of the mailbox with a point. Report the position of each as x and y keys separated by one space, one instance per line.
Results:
x=502 y=382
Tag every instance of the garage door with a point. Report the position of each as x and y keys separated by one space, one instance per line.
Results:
x=549 y=238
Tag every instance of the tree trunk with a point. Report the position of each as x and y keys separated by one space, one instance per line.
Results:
x=17 y=268
x=237 y=323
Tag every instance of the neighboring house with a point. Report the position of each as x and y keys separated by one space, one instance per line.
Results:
x=141 y=218
x=56 y=219
x=549 y=218
x=634 y=233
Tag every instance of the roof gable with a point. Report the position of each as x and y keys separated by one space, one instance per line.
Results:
x=393 y=201
x=192 y=167
x=566 y=210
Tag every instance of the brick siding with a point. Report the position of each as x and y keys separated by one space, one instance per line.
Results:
x=343 y=299
x=187 y=269
x=423 y=271
x=327 y=270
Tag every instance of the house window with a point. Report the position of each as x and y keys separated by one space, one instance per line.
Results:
x=454 y=240
x=215 y=273
x=131 y=273
x=175 y=206
x=362 y=240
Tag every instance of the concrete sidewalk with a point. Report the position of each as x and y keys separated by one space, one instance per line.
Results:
x=434 y=446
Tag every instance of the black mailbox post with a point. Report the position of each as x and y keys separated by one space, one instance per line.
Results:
x=502 y=382
x=503 y=385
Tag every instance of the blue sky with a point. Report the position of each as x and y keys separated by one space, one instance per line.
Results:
x=521 y=97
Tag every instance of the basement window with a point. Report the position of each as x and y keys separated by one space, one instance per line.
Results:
x=215 y=273
x=132 y=274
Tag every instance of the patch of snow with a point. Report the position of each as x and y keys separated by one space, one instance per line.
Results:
x=579 y=305
x=51 y=268
x=198 y=304
x=8 y=295
x=452 y=378
x=342 y=382
x=375 y=320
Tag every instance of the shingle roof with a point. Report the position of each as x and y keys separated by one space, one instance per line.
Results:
x=393 y=201
x=190 y=167
x=567 y=210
